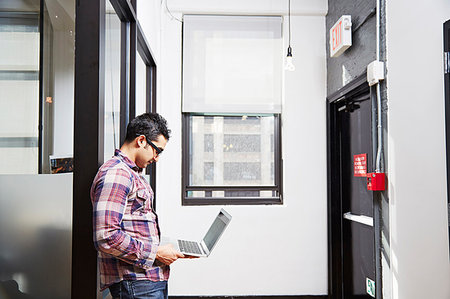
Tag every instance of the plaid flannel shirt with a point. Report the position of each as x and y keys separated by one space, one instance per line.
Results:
x=126 y=231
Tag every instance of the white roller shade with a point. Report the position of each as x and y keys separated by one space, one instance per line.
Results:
x=232 y=64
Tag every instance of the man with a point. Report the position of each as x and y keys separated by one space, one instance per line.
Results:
x=126 y=233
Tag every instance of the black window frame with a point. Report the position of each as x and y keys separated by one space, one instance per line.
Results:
x=134 y=43
x=277 y=188
x=145 y=53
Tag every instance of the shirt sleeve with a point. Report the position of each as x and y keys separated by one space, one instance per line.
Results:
x=109 y=199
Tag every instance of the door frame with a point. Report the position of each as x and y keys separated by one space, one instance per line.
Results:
x=447 y=109
x=353 y=89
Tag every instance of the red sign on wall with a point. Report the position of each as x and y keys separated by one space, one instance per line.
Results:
x=360 y=165
x=336 y=36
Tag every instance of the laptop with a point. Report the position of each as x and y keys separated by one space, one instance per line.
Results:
x=204 y=248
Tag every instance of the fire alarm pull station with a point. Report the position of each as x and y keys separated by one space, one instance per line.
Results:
x=376 y=181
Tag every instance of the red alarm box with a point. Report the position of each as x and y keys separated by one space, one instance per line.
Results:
x=376 y=181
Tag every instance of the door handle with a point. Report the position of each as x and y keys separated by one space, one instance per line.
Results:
x=359 y=218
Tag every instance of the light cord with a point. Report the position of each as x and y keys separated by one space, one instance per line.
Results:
x=289 y=19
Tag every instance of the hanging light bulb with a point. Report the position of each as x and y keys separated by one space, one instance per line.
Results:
x=289 y=66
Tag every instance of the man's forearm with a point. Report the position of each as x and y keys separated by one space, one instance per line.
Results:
x=122 y=246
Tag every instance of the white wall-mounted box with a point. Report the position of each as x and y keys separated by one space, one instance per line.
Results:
x=375 y=72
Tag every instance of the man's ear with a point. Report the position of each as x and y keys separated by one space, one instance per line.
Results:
x=139 y=141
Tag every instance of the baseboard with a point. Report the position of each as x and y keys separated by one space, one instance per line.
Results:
x=253 y=297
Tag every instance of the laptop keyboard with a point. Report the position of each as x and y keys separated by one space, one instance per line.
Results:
x=189 y=247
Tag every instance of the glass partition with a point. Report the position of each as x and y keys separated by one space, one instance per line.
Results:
x=19 y=88
x=36 y=139
x=35 y=236
x=58 y=59
x=36 y=113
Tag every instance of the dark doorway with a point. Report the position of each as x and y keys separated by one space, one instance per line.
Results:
x=357 y=204
x=352 y=267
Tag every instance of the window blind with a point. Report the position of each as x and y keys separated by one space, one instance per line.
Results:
x=232 y=64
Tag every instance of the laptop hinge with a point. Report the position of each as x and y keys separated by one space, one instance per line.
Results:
x=204 y=248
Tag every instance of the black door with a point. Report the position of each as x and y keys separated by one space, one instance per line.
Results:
x=351 y=234
x=357 y=204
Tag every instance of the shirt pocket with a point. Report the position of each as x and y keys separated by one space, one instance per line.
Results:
x=140 y=201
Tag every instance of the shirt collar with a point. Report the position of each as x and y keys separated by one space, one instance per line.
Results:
x=121 y=155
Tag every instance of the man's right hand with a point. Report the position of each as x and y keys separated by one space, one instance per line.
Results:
x=166 y=254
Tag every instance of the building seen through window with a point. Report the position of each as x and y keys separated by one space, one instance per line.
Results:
x=234 y=151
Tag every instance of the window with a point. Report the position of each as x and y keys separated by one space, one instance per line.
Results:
x=112 y=61
x=129 y=75
x=231 y=160
x=232 y=68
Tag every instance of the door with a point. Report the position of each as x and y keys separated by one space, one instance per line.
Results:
x=352 y=241
x=358 y=262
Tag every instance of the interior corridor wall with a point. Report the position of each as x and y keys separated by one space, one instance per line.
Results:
x=267 y=250
x=417 y=175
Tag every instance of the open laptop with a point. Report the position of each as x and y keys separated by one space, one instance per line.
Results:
x=204 y=248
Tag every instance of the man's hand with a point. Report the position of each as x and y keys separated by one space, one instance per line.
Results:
x=166 y=254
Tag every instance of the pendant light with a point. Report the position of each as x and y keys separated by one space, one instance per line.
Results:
x=289 y=65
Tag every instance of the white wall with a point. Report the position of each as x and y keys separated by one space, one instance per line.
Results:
x=417 y=176
x=267 y=250
x=149 y=16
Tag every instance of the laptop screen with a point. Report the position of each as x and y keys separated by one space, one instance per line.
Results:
x=215 y=230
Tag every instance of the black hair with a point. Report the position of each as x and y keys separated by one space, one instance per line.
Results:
x=151 y=125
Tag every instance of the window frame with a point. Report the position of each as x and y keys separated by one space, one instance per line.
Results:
x=134 y=45
x=201 y=201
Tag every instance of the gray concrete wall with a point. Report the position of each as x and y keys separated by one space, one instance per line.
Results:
x=348 y=66
x=353 y=62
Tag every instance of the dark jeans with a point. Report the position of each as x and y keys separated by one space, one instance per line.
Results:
x=139 y=289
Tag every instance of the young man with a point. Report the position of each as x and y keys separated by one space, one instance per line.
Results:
x=126 y=232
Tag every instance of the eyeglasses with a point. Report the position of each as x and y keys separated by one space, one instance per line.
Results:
x=157 y=149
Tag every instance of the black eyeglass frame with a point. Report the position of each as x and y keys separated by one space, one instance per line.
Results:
x=157 y=149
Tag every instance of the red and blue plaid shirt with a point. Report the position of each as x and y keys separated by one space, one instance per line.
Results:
x=126 y=231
